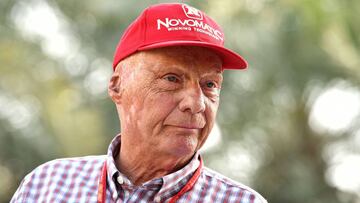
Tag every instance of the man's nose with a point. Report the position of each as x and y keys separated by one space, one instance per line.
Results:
x=193 y=100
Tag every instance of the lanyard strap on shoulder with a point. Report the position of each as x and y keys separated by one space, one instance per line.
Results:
x=102 y=185
x=190 y=184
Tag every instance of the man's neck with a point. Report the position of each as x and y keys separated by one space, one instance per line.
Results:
x=141 y=166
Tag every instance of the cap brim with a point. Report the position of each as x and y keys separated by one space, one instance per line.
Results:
x=230 y=59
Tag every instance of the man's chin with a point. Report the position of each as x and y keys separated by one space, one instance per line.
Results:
x=183 y=146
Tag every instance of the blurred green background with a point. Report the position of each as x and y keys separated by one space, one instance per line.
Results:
x=288 y=126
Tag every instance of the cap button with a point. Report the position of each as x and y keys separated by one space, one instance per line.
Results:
x=157 y=199
x=120 y=180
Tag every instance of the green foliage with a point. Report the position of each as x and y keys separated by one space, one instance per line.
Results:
x=55 y=105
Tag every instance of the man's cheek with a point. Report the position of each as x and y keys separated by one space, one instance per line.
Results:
x=163 y=101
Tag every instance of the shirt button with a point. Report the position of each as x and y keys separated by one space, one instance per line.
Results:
x=120 y=180
x=157 y=199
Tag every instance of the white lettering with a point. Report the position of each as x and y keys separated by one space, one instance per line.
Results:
x=190 y=23
x=199 y=26
x=159 y=22
x=174 y=22
x=179 y=28
x=218 y=34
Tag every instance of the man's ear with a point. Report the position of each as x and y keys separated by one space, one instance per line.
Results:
x=114 y=87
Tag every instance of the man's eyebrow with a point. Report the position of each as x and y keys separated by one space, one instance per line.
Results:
x=219 y=69
x=168 y=67
x=217 y=74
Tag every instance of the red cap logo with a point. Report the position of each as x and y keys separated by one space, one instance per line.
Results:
x=192 y=12
x=175 y=24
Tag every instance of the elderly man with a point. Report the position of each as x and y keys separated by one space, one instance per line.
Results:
x=166 y=83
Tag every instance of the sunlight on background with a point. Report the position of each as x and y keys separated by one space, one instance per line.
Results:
x=20 y=113
x=96 y=81
x=345 y=173
x=214 y=139
x=335 y=110
x=37 y=20
x=344 y=161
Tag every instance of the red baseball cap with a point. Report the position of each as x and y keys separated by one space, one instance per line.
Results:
x=175 y=24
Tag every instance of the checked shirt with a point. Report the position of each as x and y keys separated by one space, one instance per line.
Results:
x=77 y=180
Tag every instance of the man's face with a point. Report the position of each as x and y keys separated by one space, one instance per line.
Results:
x=169 y=99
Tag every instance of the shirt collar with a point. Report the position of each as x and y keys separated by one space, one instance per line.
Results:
x=164 y=184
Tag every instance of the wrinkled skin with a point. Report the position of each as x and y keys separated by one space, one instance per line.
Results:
x=167 y=100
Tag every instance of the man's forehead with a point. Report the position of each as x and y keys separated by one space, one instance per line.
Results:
x=186 y=55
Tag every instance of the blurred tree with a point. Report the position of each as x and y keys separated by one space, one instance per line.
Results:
x=56 y=60
x=288 y=54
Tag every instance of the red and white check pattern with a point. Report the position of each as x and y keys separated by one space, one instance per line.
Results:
x=77 y=180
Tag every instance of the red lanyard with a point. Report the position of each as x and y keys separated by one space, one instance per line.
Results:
x=102 y=185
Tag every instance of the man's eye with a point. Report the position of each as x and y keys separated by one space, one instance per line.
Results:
x=171 y=78
x=210 y=84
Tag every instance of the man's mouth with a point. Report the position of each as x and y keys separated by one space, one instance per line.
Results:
x=188 y=126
